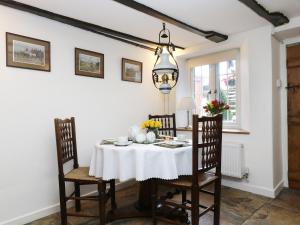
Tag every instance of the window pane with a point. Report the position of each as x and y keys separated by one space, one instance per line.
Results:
x=226 y=84
x=201 y=87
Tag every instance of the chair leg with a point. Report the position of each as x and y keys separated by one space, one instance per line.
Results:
x=217 y=202
x=113 y=194
x=101 y=191
x=77 y=194
x=183 y=198
x=195 y=206
x=62 y=197
x=154 y=198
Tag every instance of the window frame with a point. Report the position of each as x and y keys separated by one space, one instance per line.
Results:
x=191 y=69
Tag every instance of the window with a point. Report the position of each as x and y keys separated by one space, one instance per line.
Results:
x=215 y=77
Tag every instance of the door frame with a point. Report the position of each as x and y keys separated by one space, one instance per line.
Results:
x=284 y=112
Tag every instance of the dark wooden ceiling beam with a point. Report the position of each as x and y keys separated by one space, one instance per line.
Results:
x=210 y=35
x=116 y=35
x=276 y=18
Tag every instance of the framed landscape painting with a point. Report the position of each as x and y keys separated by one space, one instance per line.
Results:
x=28 y=53
x=132 y=70
x=88 y=63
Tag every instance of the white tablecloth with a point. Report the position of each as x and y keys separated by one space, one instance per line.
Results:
x=140 y=162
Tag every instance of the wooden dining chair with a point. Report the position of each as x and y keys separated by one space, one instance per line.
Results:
x=66 y=152
x=168 y=123
x=205 y=173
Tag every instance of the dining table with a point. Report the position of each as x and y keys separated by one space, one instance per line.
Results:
x=141 y=162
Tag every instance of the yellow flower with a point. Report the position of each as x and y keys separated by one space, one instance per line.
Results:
x=151 y=123
x=144 y=124
x=157 y=124
x=147 y=123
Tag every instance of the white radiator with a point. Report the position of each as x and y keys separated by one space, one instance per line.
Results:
x=233 y=163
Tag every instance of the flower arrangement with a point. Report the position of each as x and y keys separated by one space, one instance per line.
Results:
x=215 y=107
x=151 y=124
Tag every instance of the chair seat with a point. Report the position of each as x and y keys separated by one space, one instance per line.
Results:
x=186 y=181
x=81 y=174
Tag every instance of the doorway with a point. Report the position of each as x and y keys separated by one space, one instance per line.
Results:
x=293 y=108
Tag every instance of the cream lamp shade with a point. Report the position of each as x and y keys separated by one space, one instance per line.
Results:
x=187 y=103
x=164 y=66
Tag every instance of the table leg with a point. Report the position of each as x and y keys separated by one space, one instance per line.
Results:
x=144 y=201
x=143 y=207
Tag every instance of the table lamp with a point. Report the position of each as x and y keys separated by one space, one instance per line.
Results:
x=188 y=104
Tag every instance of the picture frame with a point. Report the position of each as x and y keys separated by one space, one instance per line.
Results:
x=132 y=70
x=89 y=63
x=27 y=52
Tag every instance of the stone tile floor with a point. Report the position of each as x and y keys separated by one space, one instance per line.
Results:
x=237 y=208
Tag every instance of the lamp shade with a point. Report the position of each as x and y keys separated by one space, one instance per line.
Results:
x=187 y=103
x=164 y=66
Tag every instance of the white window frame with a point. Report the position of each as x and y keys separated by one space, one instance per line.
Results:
x=214 y=59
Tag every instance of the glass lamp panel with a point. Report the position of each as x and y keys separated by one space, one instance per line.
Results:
x=164 y=65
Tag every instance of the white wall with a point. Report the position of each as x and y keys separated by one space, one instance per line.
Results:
x=277 y=156
x=30 y=100
x=257 y=88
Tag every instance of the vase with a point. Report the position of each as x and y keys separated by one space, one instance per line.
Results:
x=150 y=137
x=155 y=131
x=210 y=114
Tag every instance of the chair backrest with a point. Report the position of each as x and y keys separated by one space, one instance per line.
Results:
x=210 y=145
x=65 y=142
x=168 y=123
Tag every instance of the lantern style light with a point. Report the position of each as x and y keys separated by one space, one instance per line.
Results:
x=165 y=72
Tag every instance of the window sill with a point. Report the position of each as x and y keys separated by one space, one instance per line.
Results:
x=226 y=131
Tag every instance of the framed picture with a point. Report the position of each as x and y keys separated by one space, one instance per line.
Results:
x=28 y=53
x=88 y=63
x=132 y=70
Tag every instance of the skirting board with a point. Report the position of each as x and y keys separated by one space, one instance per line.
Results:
x=271 y=193
x=35 y=215
x=26 y=218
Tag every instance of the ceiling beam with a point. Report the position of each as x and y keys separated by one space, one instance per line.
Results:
x=116 y=35
x=210 y=35
x=276 y=18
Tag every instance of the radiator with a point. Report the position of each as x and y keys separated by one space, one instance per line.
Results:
x=233 y=163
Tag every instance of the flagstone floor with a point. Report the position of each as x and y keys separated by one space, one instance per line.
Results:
x=237 y=208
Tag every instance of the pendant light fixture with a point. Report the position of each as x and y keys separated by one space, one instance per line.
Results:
x=165 y=72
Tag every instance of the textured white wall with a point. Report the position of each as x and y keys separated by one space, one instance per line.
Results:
x=30 y=100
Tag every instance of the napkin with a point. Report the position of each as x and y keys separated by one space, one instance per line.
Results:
x=108 y=141
x=170 y=145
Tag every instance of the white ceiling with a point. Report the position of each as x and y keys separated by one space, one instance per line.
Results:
x=224 y=16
